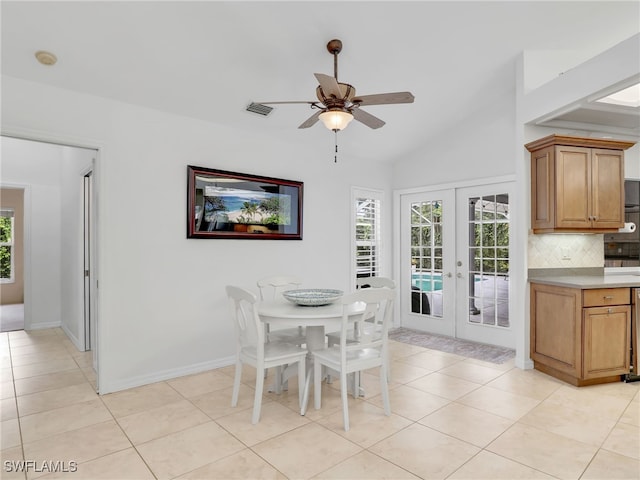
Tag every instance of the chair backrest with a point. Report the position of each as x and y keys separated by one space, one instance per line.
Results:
x=378 y=306
x=375 y=282
x=249 y=329
x=272 y=287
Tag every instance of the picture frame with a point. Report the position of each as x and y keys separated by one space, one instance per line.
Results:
x=223 y=204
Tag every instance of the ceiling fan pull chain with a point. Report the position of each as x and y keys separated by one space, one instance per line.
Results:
x=335 y=158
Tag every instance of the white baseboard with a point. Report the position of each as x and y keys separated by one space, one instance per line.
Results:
x=43 y=325
x=76 y=342
x=107 y=386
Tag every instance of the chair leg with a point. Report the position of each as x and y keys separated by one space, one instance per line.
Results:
x=278 y=388
x=236 y=383
x=345 y=401
x=317 y=385
x=257 y=401
x=384 y=387
x=302 y=372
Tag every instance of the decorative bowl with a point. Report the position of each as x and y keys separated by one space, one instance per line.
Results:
x=312 y=297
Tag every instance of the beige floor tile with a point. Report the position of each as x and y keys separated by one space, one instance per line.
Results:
x=239 y=466
x=489 y=466
x=472 y=372
x=139 y=399
x=40 y=383
x=468 y=424
x=53 y=422
x=9 y=434
x=31 y=338
x=411 y=402
x=160 y=421
x=503 y=367
x=367 y=423
x=547 y=452
x=57 y=365
x=6 y=374
x=198 y=384
x=565 y=421
x=12 y=464
x=421 y=450
x=56 y=398
x=631 y=415
x=331 y=401
x=83 y=359
x=122 y=465
x=7 y=390
x=39 y=357
x=82 y=445
x=399 y=349
x=610 y=465
x=275 y=419
x=529 y=383
x=445 y=386
x=404 y=372
x=365 y=466
x=38 y=349
x=306 y=451
x=218 y=404
x=625 y=440
x=590 y=401
x=499 y=402
x=8 y=409
x=189 y=449
x=429 y=361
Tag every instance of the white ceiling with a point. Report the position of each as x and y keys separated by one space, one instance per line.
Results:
x=210 y=59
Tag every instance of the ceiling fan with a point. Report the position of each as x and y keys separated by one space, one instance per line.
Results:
x=337 y=102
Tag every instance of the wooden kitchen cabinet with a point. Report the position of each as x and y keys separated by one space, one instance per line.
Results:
x=577 y=184
x=581 y=336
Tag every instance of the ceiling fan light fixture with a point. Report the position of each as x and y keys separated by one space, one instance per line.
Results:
x=336 y=119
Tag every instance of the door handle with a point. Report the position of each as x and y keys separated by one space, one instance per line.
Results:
x=459 y=275
x=449 y=275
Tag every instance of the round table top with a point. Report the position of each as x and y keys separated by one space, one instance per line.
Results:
x=284 y=309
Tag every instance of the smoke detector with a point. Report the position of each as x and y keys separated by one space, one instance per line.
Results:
x=46 y=58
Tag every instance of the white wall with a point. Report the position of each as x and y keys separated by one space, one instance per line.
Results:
x=74 y=165
x=36 y=166
x=161 y=307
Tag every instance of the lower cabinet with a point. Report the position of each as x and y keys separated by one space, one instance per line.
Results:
x=581 y=336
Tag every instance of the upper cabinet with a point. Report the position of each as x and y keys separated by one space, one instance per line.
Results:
x=577 y=184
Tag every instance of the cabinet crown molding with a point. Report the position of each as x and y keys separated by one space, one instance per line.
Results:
x=572 y=141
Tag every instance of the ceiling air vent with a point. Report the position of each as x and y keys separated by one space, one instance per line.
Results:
x=259 y=109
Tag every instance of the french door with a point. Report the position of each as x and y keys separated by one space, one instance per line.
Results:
x=455 y=262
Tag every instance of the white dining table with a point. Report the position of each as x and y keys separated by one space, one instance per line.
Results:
x=316 y=320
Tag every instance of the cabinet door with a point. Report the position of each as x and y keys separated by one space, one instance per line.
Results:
x=606 y=341
x=573 y=187
x=607 y=188
x=556 y=328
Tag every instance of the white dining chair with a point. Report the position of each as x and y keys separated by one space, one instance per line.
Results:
x=370 y=351
x=271 y=288
x=333 y=338
x=253 y=349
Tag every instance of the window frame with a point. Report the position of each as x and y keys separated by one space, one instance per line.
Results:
x=10 y=213
x=358 y=194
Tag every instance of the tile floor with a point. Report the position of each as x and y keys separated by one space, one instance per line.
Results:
x=453 y=418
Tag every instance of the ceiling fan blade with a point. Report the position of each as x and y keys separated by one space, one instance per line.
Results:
x=329 y=85
x=294 y=101
x=309 y=122
x=366 y=118
x=384 y=98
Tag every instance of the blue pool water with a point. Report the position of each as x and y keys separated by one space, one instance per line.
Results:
x=427 y=282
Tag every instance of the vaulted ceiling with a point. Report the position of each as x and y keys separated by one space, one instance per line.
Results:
x=210 y=59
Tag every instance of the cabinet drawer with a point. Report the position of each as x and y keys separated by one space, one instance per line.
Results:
x=605 y=296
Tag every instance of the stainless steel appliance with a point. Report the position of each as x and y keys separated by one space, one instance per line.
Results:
x=623 y=249
x=634 y=375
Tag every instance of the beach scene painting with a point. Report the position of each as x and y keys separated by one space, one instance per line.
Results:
x=224 y=204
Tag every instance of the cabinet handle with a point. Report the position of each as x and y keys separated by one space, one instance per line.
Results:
x=609 y=311
x=608 y=297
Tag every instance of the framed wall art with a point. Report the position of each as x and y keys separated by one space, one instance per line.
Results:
x=222 y=204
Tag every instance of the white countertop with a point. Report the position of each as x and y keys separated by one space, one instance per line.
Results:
x=608 y=280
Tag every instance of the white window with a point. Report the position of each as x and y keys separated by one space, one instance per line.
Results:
x=7 y=269
x=366 y=223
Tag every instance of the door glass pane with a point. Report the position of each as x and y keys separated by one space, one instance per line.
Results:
x=426 y=258
x=489 y=260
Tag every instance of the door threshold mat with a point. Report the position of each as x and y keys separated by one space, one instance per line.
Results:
x=465 y=348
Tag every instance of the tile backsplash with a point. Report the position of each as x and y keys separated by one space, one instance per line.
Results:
x=565 y=250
